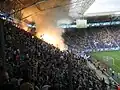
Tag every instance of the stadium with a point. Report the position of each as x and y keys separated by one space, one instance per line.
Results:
x=59 y=45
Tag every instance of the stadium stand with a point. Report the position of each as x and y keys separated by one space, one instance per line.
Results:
x=90 y=39
x=95 y=40
x=32 y=64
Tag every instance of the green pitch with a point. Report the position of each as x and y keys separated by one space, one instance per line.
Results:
x=111 y=58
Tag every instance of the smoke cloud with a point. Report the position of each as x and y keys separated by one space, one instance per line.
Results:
x=46 y=24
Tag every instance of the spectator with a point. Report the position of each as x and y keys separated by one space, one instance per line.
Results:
x=45 y=63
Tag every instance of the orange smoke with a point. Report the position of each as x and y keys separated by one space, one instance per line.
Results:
x=46 y=28
x=52 y=38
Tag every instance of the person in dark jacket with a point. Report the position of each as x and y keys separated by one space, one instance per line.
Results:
x=4 y=80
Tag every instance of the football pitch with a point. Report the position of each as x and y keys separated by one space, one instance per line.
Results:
x=111 y=58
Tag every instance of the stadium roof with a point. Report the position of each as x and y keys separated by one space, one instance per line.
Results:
x=75 y=8
x=104 y=7
x=78 y=7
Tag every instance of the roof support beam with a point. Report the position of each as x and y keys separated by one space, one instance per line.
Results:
x=79 y=7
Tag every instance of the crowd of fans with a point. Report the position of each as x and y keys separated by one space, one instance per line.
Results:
x=94 y=38
x=32 y=64
x=76 y=40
